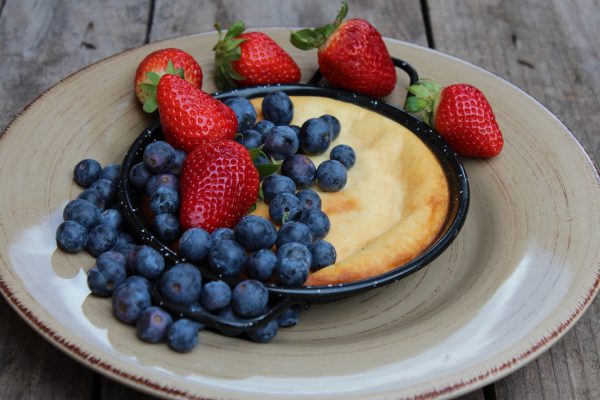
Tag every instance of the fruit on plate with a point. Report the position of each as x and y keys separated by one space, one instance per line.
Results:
x=351 y=55
x=219 y=184
x=190 y=117
x=253 y=58
x=461 y=114
x=158 y=63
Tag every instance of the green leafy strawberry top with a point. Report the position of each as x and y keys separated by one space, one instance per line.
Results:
x=227 y=50
x=151 y=105
x=426 y=96
x=307 y=39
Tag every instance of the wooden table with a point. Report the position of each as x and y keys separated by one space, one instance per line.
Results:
x=551 y=49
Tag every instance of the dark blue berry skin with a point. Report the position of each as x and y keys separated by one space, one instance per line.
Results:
x=181 y=284
x=249 y=139
x=275 y=184
x=317 y=221
x=285 y=207
x=264 y=334
x=87 y=172
x=102 y=238
x=315 y=136
x=139 y=176
x=215 y=295
x=107 y=274
x=260 y=160
x=300 y=169
x=165 y=200
x=94 y=197
x=158 y=156
x=278 y=108
x=222 y=234
x=112 y=217
x=166 y=227
x=183 y=335
x=82 y=211
x=107 y=191
x=227 y=257
x=195 y=244
x=331 y=176
x=293 y=263
x=149 y=263
x=112 y=172
x=280 y=142
x=128 y=301
x=177 y=162
x=153 y=324
x=294 y=231
x=249 y=298
x=323 y=255
x=309 y=199
x=228 y=315
x=296 y=129
x=124 y=248
x=125 y=238
x=344 y=154
x=71 y=236
x=137 y=281
x=289 y=317
x=334 y=125
x=254 y=232
x=156 y=181
x=244 y=112
x=263 y=126
x=261 y=264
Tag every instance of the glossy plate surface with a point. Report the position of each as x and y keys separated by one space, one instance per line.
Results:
x=523 y=269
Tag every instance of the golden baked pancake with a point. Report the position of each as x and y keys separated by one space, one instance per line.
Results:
x=396 y=199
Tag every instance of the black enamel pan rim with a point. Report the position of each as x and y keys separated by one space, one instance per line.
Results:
x=455 y=173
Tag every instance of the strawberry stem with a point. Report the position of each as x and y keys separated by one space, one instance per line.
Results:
x=307 y=39
x=424 y=99
x=227 y=50
x=151 y=105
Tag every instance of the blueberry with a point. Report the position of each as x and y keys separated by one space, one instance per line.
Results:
x=280 y=142
x=137 y=281
x=260 y=159
x=289 y=317
x=293 y=231
x=181 y=284
x=228 y=315
x=249 y=298
x=309 y=199
x=128 y=301
x=139 y=176
x=254 y=232
x=264 y=334
x=153 y=324
x=296 y=129
x=107 y=274
x=102 y=238
x=177 y=162
x=275 y=184
x=285 y=207
x=82 y=211
x=222 y=234
x=263 y=127
x=166 y=227
x=215 y=295
x=107 y=191
x=300 y=169
x=315 y=136
x=293 y=263
x=157 y=181
x=87 y=172
x=164 y=200
x=331 y=176
x=158 y=156
x=344 y=154
x=317 y=221
x=194 y=244
x=261 y=264
x=149 y=263
x=244 y=112
x=334 y=125
x=183 y=335
x=249 y=139
x=94 y=197
x=323 y=255
x=124 y=248
x=112 y=217
x=71 y=236
x=227 y=257
x=125 y=238
x=278 y=108
x=112 y=172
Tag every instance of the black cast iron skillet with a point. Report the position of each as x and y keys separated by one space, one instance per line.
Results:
x=283 y=297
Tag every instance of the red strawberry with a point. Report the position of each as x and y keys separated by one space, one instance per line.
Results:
x=461 y=114
x=218 y=184
x=351 y=55
x=248 y=59
x=158 y=63
x=189 y=116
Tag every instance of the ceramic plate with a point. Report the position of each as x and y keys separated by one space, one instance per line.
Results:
x=521 y=272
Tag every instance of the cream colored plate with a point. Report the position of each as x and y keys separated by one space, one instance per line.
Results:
x=521 y=272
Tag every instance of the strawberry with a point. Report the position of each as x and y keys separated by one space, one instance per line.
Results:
x=351 y=55
x=189 y=116
x=158 y=63
x=248 y=59
x=461 y=114
x=219 y=184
